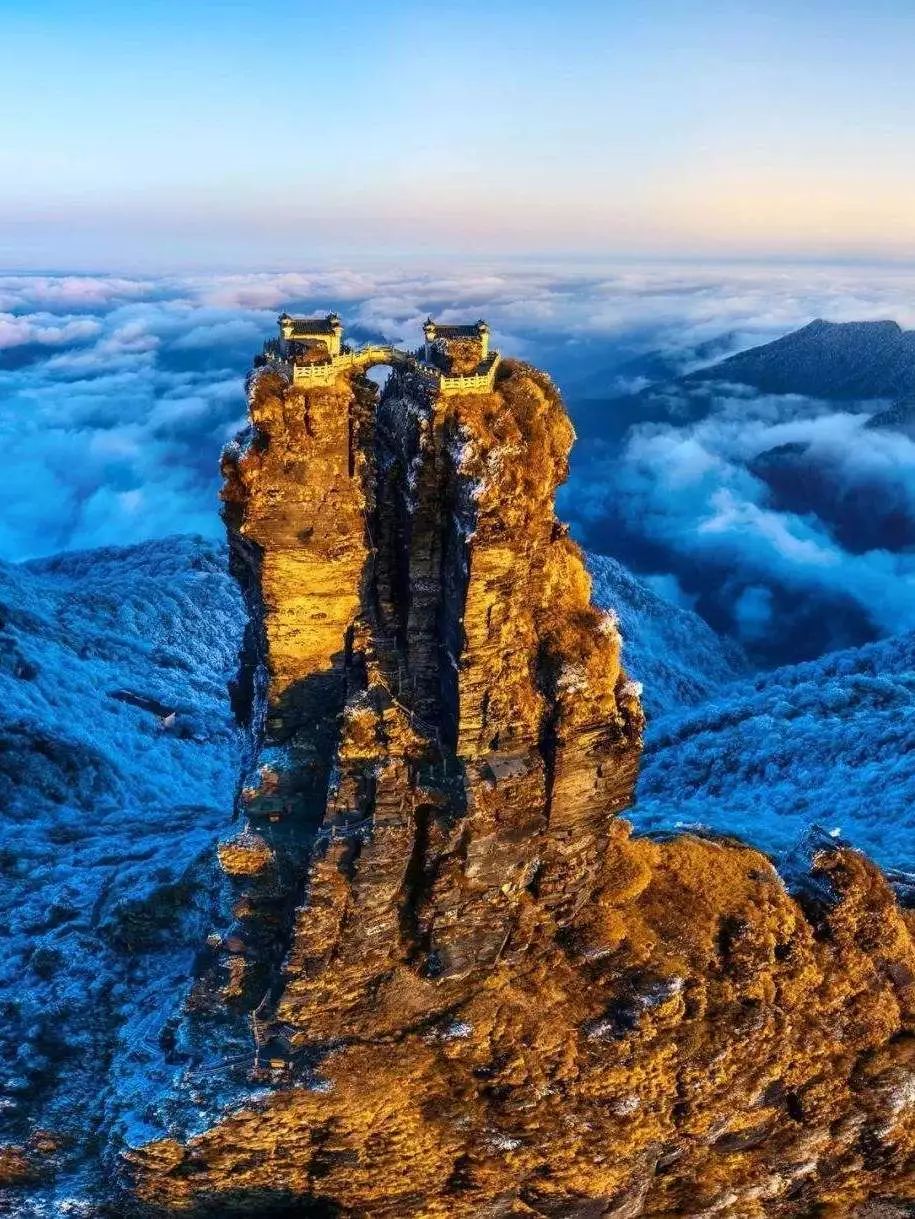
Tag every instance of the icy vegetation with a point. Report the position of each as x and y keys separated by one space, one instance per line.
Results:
x=828 y=744
x=118 y=760
x=780 y=759
x=672 y=652
x=823 y=749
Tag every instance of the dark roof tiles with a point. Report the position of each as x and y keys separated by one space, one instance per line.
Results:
x=312 y=325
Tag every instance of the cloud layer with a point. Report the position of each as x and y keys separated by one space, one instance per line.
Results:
x=117 y=393
x=780 y=517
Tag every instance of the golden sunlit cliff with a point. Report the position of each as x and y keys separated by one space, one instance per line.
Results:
x=471 y=992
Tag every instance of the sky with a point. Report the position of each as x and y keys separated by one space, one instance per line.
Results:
x=163 y=135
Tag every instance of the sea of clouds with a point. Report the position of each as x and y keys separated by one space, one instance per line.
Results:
x=834 y=568
x=118 y=392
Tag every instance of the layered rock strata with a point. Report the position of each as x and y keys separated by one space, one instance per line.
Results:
x=470 y=991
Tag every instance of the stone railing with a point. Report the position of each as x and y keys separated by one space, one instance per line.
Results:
x=326 y=372
x=472 y=383
x=317 y=374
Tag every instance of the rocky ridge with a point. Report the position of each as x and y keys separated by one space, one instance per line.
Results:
x=470 y=990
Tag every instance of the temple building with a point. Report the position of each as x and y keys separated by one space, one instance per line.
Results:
x=312 y=331
x=443 y=336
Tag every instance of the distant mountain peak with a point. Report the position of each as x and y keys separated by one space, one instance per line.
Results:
x=831 y=360
x=823 y=324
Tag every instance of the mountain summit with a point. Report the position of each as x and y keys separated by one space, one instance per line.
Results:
x=833 y=360
x=469 y=991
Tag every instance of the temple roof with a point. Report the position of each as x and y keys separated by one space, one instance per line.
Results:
x=312 y=325
x=457 y=332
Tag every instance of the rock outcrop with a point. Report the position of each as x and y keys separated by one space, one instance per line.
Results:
x=471 y=992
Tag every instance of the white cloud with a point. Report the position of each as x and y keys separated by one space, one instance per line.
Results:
x=45 y=329
x=115 y=433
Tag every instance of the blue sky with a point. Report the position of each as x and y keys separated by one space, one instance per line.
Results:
x=166 y=135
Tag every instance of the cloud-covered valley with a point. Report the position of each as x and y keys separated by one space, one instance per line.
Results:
x=774 y=514
x=784 y=520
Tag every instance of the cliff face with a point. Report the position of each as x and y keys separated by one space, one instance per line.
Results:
x=472 y=993
x=443 y=705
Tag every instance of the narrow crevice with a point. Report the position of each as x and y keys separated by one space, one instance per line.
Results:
x=458 y=525
x=413 y=938
x=548 y=738
x=248 y=690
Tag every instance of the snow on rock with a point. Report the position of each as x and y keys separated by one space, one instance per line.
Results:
x=826 y=743
x=675 y=655
x=768 y=758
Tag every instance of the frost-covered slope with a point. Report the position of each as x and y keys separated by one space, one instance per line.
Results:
x=108 y=817
x=826 y=360
x=673 y=652
x=829 y=743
